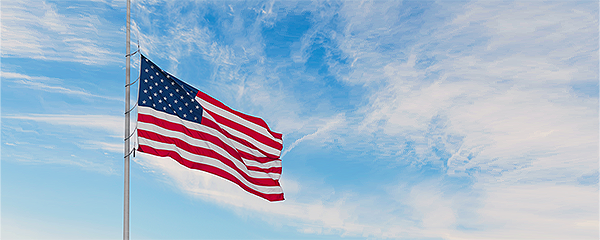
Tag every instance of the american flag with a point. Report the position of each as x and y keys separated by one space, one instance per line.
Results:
x=178 y=121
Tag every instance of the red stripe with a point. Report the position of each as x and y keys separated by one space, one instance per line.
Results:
x=204 y=136
x=205 y=152
x=266 y=170
x=207 y=168
x=245 y=130
x=256 y=120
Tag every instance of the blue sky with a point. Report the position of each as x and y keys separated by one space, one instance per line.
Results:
x=401 y=119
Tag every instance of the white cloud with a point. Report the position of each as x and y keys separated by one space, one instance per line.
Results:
x=424 y=210
x=42 y=83
x=112 y=124
x=73 y=160
x=537 y=211
x=329 y=125
x=107 y=146
x=505 y=74
x=315 y=216
x=33 y=29
x=510 y=101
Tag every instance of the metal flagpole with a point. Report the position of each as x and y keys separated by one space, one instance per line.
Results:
x=127 y=135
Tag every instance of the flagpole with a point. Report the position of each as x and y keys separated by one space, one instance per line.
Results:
x=127 y=134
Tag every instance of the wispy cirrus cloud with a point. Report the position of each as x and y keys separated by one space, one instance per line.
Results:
x=34 y=29
x=111 y=124
x=329 y=124
x=46 y=84
x=72 y=134
x=502 y=74
x=312 y=216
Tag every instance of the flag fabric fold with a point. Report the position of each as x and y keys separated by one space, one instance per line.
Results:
x=178 y=121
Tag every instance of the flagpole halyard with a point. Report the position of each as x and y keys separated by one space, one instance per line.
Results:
x=127 y=133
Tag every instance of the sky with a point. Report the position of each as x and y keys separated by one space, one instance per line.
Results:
x=400 y=119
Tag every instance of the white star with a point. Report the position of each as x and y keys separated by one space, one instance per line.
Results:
x=155 y=84
x=168 y=76
x=159 y=100
x=170 y=94
x=169 y=105
x=186 y=104
x=184 y=115
x=156 y=74
x=149 y=97
x=151 y=77
x=175 y=100
x=144 y=102
x=161 y=79
x=190 y=110
x=150 y=87
x=146 y=70
x=153 y=105
x=181 y=97
x=145 y=91
x=172 y=83
x=166 y=87
x=152 y=67
x=145 y=80
x=146 y=60
x=155 y=94
x=195 y=118
x=197 y=107
x=164 y=108
x=160 y=91
x=180 y=108
x=165 y=98
x=177 y=90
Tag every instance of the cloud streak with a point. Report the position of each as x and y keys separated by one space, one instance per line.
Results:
x=99 y=133
x=329 y=125
x=36 y=30
x=39 y=83
x=112 y=124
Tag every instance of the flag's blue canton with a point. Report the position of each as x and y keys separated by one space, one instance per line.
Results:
x=165 y=93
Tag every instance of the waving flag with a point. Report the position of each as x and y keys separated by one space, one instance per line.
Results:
x=178 y=121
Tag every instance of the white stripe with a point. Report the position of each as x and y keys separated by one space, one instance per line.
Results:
x=199 y=127
x=275 y=176
x=211 y=162
x=267 y=165
x=201 y=144
x=226 y=114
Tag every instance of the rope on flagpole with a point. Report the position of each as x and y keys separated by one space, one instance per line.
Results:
x=133 y=53
x=127 y=85
x=132 y=132
x=131 y=108
x=130 y=152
